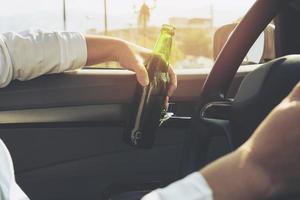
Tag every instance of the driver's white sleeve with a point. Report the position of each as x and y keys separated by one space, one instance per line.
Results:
x=9 y=190
x=192 y=187
x=29 y=54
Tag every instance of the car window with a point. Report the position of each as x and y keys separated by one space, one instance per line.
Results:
x=138 y=21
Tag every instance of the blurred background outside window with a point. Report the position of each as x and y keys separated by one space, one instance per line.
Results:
x=138 y=21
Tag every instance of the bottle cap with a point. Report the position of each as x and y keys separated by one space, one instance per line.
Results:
x=168 y=28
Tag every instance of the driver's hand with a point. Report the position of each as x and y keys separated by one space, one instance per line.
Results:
x=275 y=145
x=133 y=57
x=105 y=49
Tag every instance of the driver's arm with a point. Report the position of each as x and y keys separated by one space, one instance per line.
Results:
x=265 y=166
x=232 y=177
x=29 y=54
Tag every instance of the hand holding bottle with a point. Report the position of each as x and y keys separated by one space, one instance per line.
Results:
x=149 y=107
x=130 y=56
x=134 y=57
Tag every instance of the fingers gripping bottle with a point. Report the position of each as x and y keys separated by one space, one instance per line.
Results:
x=148 y=110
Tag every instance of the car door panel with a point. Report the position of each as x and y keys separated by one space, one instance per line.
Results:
x=91 y=87
x=54 y=155
x=65 y=133
x=86 y=113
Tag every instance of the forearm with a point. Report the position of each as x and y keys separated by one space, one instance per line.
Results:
x=103 y=49
x=130 y=56
x=233 y=177
x=29 y=54
x=236 y=177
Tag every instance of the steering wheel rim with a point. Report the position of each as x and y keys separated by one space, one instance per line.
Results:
x=236 y=48
x=226 y=66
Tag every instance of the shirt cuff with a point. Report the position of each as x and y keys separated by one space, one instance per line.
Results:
x=192 y=187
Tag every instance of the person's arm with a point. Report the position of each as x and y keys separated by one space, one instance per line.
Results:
x=30 y=54
x=236 y=177
x=268 y=164
x=265 y=166
x=233 y=177
x=119 y=51
x=129 y=55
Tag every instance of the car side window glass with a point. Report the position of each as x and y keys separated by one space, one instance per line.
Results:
x=139 y=21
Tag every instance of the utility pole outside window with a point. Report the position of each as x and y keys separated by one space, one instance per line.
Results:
x=105 y=18
x=64 y=15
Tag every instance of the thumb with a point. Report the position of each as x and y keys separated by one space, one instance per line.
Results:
x=142 y=75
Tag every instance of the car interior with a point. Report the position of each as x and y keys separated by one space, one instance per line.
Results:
x=65 y=131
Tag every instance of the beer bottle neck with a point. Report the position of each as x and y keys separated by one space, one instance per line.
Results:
x=163 y=46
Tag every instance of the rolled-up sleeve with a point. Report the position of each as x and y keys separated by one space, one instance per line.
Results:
x=29 y=54
x=192 y=187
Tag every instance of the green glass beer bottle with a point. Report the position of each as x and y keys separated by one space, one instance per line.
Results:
x=148 y=110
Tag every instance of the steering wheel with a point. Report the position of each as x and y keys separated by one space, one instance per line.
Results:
x=257 y=94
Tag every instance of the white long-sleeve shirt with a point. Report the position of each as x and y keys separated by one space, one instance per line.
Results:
x=30 y=54
x=192 y=187
x=9 y=190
